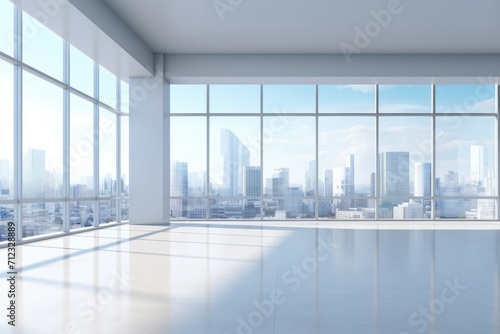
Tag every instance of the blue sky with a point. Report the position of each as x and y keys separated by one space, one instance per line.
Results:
x=290 y=141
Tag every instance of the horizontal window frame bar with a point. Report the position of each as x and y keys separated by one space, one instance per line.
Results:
x=335 y=114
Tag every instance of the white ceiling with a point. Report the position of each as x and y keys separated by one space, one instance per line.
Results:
x=312 y=26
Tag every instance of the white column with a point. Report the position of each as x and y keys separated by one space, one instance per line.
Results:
x=150 y=148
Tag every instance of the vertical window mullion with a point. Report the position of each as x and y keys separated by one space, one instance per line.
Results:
x=96 y=145
x=377 y=153
x=18 y=122
x=433 y=165
x=261 y=152
x=66 y=137
x=207 y=190
x=497 y=155
x=118 y=200
x=316 y=154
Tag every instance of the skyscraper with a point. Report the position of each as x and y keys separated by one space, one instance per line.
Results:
x=349 y=175
x=179 y=188
x=338 y=180
x=328 y=182
x=34 y=176
x=343 y=182
x=280 y=181
x=252 y=181
x=236 y=157
x=422 y=179
x=372 y=184
x=293 y=202
x=482 y=168
x=394 y=177
x=310 y=181
x=477 y=164
x=373 y=180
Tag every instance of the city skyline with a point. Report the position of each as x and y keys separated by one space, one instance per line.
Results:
x=402 y=185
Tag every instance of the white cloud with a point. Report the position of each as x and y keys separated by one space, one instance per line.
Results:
x=359 y=88
x=405 y=108
x=486 y=106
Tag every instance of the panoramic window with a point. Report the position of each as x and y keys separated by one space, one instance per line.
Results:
x=332 y=152
x=60 y=168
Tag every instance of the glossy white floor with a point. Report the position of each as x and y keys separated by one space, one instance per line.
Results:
x=287 y=278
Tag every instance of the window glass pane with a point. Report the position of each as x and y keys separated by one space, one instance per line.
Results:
x=289 y=99
x=405 y=98
x=124 y=167
x=289 y=165
x=42 y=48
x=346 y=98
x=235 y=209
x=188 y=99
x=42 y=138
x=234 y=98
x=347 y=163
x=466 y=208
x=7 y=27
x=107 y=153
x=7 y=132
x=454 y=99
x=124 y=98
x=107 y=212
x=81 y=214
x=107 y=87
x=81 y=71
x=188 y=171
x=235 y=156
x=6 y=215
x=465 y=157
x=192 y=208
x=405 y=166
x=81 y=147
x=42 y=218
